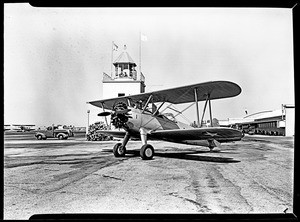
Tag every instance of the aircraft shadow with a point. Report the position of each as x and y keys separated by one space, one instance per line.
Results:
x=184 y=155
x=188 y=156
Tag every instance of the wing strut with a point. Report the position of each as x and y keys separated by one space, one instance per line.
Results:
x=207 y=99
x=128 y=101
x=210 y=115
x=157 y=110
x=183 y=110
x=150 y=97
x=197 y=108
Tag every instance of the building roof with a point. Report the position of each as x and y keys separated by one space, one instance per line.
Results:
x=255 y=117
x=124 y=57
x=266 y=114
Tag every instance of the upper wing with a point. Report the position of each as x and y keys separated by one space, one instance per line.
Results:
x=221 y=134
x=184 y=94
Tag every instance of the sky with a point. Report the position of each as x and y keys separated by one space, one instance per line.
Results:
x=54 y=58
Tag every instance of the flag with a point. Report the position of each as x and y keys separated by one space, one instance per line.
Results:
x=115 y=47
x=143 y=37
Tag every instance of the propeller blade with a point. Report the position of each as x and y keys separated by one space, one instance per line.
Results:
x=104 y=114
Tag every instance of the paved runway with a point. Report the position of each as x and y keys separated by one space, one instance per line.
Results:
x=254 y=175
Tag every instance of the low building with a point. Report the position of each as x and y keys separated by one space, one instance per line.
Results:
x=279 y=122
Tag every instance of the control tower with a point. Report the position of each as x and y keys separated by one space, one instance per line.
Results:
x=124 y=80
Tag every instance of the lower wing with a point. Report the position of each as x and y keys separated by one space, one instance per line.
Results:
x=119 y=133
x=114 y=133
x=221 y=134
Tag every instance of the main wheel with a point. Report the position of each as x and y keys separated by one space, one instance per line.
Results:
x=119 y=150
x=147 y=152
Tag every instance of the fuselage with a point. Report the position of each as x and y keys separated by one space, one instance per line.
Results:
x=150 y=122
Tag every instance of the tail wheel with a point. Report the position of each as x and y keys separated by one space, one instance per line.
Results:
x=147 y=152
x=119 y=150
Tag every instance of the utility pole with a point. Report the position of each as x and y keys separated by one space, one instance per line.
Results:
x=88 y=122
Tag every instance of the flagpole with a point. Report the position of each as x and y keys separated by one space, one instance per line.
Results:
x=140 y=62
x=112 y=55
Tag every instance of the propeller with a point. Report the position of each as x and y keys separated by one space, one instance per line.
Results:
x=125 y=111
x=119 y=115
x=104 y=114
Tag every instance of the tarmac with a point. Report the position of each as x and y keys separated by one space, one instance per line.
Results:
x=251 y=176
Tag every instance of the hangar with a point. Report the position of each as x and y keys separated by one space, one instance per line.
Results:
x=279 y=122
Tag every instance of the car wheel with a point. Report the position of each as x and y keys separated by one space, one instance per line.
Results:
x=39 y=137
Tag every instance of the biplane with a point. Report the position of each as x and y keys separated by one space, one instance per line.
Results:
x=134 y=115
x=19 y=127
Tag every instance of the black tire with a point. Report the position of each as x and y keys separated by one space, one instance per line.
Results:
x=39 y=137
x=147 y=152
x=119 y=150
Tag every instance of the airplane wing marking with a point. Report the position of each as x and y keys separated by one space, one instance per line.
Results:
x=178 y=95
x=211 y=134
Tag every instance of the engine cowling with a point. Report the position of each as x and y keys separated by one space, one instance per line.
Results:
x=120 y=116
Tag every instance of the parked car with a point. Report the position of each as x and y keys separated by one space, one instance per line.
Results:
x=54 y=132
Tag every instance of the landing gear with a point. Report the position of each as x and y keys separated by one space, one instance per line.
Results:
x=119 y=150
x=147 y=152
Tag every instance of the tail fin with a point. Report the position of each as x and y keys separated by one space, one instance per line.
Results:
x=215 y=122
x=215 y=146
